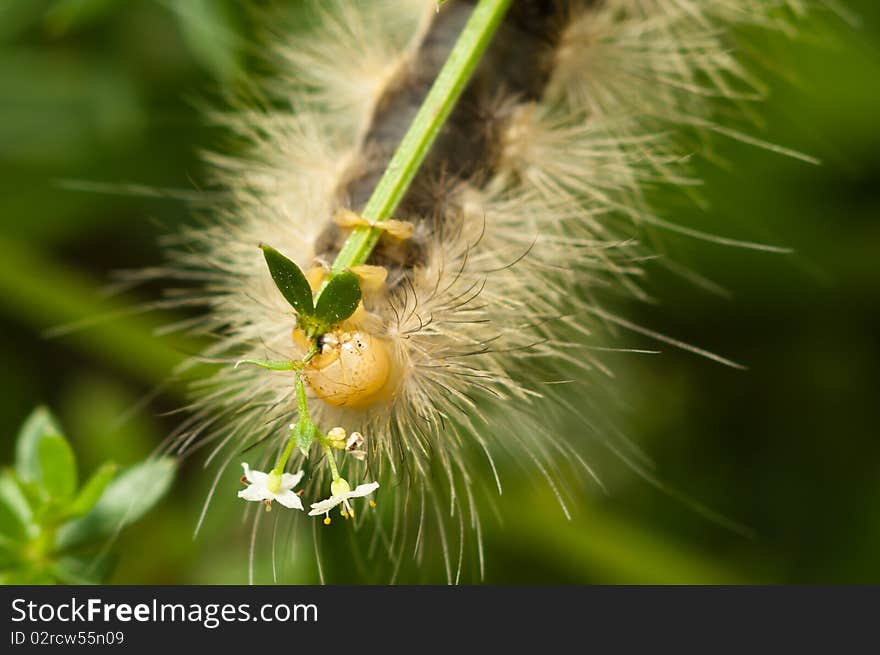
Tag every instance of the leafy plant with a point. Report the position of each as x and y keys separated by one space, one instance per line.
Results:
x=55 y=530
x=336 y=302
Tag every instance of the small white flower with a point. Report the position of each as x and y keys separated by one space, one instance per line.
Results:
x=271 y=486
x=341 y=493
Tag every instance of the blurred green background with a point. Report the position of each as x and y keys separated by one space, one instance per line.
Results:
x=108 y=92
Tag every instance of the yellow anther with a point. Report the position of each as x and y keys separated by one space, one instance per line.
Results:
x=268 y=505
x=326 y=520
x=372 y=503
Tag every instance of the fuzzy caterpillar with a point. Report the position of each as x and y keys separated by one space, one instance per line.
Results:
x=529 y=205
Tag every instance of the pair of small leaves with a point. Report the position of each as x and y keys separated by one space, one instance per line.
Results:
x=42 y=506
x=336 y=302
x=46 y=466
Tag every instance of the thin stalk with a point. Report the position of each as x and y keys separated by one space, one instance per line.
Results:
x=429 y=120
x=303 y=418
x=331 y=461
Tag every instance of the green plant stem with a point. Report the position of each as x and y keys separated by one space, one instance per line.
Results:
x=302 y=406
x=429 y=120
x=282 y=461
x=301 y=399
x=331 y=461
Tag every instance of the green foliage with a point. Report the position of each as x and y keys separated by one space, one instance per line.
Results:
x=291 y=281
x=39 y=424
x=57 y=467
x=337 y=301
x=52 y=530
x=93 y=489
x=124 y=501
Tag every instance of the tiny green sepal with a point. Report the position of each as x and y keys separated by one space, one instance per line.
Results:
x=304 y=433
x=290 y=280
x=339 y=299
x=273 y=364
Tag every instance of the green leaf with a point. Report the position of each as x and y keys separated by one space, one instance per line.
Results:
x=12 y=497
x=339 y=299
x=93 y=489
x=57 y=466
x=27 y=459
x=15 y=512
x=124 y=501
x=290 y=280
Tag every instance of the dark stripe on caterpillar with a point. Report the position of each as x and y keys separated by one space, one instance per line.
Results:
x=515 y=69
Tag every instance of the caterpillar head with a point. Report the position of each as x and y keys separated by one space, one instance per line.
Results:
x=352 y=369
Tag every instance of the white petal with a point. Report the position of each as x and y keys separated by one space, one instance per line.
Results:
x=254 y=492
x=363 y=490
x=290 y=480
x=254 y=477
x=325 y=505
x=289 y=499
x=259 y=478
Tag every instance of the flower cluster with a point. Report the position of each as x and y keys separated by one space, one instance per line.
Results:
x=278 y=486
